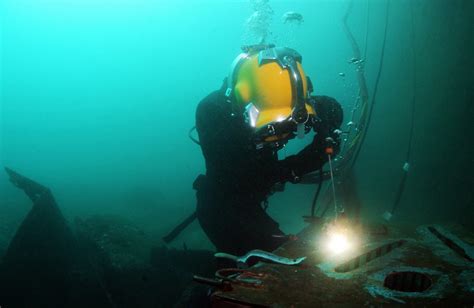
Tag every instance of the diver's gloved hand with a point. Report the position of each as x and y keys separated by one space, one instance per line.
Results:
x=311 y=158
x=329 y=118
x=331 y=141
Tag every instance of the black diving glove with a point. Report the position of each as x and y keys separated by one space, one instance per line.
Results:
x=310 y=158
x=328 y=141
x=329 y=119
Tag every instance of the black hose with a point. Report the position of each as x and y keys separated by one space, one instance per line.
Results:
x=316 y=195
x=401 y=186
x=398 y=196
x=347 y=160
x=377 y=79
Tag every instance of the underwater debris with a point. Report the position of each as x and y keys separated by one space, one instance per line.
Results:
x=342 y=74
x=43 y=234
x=292 y=17
x=104 y=263
x=264 y=255
x=40 y=267
x=8 y=225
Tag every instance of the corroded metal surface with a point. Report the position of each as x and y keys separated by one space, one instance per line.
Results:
x=316 y=282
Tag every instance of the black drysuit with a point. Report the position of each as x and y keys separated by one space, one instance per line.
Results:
x=239 y=177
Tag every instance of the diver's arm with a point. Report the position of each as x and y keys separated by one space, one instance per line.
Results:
x=310 y=159
x=314 y=156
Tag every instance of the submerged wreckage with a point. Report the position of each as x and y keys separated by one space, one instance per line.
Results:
x=44 y=265
x=47 y=264
x=98 y=261
x=427 y=265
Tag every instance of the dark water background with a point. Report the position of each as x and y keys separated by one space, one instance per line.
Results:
x=98 y=96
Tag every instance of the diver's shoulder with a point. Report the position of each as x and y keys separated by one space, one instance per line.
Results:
x=212 y=107
x=212 y=99
x=324 y=98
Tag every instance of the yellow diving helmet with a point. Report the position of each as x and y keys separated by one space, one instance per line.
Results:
x=268 y=86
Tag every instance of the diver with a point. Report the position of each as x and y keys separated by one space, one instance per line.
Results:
x=264 y=102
